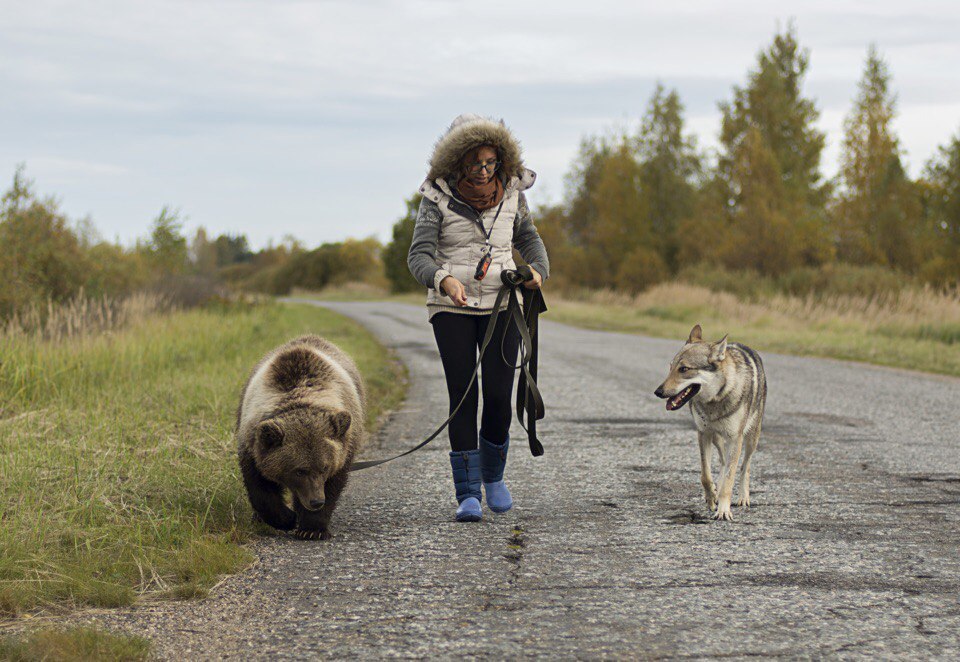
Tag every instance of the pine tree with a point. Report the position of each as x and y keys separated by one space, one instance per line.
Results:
x=395 y=252
x=203 y=253
x=762 y=238
x=942 y=202
x=669 y=168
x=773 y=111
x=232 y=249
x=621 y=223
x=877 y=216
x=565 y=259
x=166 y=249
x=608 y=219
x=580 y=182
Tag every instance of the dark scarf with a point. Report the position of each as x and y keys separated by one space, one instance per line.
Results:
x=481 y=196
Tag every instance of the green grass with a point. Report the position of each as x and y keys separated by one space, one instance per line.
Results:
x=118 y=465
x=359 y=292
x=74 y=644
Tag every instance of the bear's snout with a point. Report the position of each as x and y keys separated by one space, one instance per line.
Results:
x=316 y=504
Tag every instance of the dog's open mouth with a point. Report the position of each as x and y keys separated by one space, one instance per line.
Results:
x=682 y=397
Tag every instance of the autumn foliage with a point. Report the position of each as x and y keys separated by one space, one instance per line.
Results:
x=646 y=207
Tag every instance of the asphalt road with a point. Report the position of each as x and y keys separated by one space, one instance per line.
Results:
x=851 y=547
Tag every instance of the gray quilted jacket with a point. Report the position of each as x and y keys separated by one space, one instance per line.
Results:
x=450 y=237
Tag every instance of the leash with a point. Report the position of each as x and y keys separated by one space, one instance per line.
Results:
x=529 y=401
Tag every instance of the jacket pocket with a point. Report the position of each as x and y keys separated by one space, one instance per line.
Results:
x=464 y=273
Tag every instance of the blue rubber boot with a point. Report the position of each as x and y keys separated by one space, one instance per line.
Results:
x=493 y=459
x=466 y=480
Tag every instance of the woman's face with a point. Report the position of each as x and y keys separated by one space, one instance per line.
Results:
x=485 y=156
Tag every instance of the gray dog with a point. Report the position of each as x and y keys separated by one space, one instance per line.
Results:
x=727 y=390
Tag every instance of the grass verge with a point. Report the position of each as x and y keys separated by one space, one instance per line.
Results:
x=74 y=644
x=918 y=330
x=117 y=458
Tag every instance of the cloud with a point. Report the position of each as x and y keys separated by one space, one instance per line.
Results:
x=316 y=118
x=71 y=167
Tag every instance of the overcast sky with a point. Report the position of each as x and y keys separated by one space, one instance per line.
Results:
x=316 y=119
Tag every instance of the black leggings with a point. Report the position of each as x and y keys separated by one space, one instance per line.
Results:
x=458 y=338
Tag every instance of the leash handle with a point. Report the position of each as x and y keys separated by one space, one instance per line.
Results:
x=516 y=277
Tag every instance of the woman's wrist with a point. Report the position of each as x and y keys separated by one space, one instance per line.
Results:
x=438 y=279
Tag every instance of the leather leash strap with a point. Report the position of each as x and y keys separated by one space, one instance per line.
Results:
x=528 y=395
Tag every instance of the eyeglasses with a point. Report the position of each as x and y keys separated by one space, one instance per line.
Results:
x=489 y=166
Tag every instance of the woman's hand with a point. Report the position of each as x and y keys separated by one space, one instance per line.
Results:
x=455 y=290
x=536 y=282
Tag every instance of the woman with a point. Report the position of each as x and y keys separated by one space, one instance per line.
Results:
x=474 y=213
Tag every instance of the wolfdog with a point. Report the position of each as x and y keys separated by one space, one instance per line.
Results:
x=727 y=389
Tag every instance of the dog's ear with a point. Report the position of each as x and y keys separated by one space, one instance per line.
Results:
x=270 y=434
x=696 y=335
x=719 y=350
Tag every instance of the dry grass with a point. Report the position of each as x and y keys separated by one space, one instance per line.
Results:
x=76 y=644
x=357 y=292
x=914 y=328
x=83 y=316
x=906 y=310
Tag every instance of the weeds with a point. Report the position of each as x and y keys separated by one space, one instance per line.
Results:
x=118 y=466
x=74 y=644
x=82 y=316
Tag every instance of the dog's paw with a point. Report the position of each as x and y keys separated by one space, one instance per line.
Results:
x=723 y=513
x=744 y=501
x=710 y=498
x=312 y=534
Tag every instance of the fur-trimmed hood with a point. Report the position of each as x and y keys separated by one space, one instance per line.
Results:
x=469 y=131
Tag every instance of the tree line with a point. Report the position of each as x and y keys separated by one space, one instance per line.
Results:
x=647 y=205
x=46 y=258
x=640 y=206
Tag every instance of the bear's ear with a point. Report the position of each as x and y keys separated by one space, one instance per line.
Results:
x=696 y=335
x=340 y=421
x=270 y=434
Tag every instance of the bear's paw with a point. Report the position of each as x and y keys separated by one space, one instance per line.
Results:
x=312 y=534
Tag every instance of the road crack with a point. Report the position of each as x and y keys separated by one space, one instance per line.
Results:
x=516 y=543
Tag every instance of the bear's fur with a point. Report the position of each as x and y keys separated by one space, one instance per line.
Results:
x=299 y=426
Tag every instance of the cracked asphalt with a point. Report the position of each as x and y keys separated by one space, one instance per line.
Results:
x=851 y=547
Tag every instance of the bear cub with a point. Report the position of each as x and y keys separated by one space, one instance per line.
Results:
x=299 y=426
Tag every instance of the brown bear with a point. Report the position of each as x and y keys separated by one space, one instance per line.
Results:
x=299 y=426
